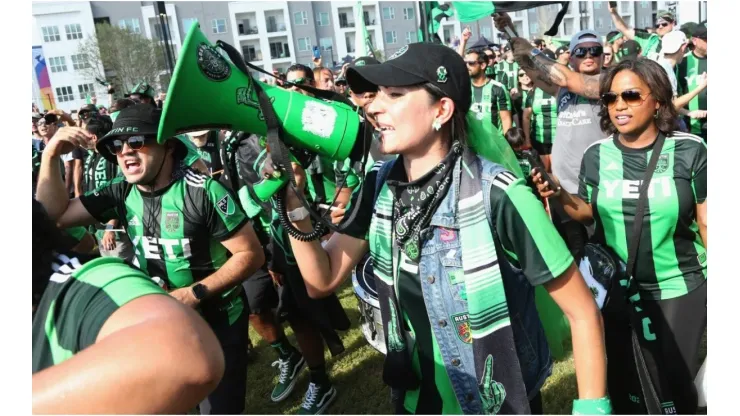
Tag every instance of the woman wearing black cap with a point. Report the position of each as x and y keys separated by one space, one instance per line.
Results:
x=670 y=271
x=454 y=334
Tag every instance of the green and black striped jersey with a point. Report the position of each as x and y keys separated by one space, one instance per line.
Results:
x=176 y=231
x=210 y=153
x=650 y=43
x=671 y=259
x=78 y=301
x=98 y=170
x=512 y=74
x=689 y=72
x=544 y=116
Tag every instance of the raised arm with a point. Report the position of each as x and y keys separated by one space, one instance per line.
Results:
x=628 y=32
x=464 y=41
x=682 y=101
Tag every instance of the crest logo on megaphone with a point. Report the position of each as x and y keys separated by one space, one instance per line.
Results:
x=212 y=64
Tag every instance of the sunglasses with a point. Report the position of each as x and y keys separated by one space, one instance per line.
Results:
x=298 y=81
x=661 y=25
x=472 y=63
x=595 y=51
x=86 y=115
x=632 y=98
x=135 y=143
x=523 y=74
x=608 y=54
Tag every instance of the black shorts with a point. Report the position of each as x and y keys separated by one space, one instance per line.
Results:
x=261 y=292
x=542 y=148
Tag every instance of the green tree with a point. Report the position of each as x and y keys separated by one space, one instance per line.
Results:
x=125 y=56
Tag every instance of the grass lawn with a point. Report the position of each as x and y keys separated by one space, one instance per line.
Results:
x=356 y=374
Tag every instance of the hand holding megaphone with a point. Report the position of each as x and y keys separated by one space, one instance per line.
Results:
x=291 y=195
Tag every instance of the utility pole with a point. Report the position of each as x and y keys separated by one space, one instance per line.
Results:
x=163 y=23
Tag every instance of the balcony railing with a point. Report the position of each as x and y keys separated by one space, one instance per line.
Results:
x=245 y=29
x=251 y=55
x=275 y=27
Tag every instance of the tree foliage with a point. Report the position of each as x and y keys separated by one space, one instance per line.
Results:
x=126 y=56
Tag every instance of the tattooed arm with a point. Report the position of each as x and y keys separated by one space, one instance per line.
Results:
x=550 y=75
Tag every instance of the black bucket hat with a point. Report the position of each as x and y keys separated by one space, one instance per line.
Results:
x=137 y=120
x=415 y=64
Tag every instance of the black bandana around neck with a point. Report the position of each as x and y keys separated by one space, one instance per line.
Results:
x=415 y=202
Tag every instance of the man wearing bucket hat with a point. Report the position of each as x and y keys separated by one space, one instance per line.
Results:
x=649 y=42
x=189 y=233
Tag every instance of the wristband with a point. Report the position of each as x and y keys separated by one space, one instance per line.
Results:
x=602 y=406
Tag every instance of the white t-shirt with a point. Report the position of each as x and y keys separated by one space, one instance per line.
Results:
x=666 y=64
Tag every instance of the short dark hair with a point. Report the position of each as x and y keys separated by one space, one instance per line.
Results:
x=458 y=124
x=482 y=57
x=652 y=74
x=307 y=72
x=99 y=125
x=515 y=136
x=121 y=104
x=610 y=36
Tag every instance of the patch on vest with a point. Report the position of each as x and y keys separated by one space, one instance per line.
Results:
x=226 y=205
x=462 y=327
x=212 y=64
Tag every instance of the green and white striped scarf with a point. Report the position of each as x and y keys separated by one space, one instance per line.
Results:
x=493 y=339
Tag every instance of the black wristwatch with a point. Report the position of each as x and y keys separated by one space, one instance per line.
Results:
x=199 y=291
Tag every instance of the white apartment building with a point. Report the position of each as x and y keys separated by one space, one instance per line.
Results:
x=59 y=27
x=344 y=19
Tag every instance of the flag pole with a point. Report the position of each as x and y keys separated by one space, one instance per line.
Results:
x=423 y=22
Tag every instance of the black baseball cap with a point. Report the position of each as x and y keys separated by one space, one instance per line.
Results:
x=88 y=108
x=415 y=64
x=559 y=51
x=630 y=50
x=548 y=53
x=700 y=31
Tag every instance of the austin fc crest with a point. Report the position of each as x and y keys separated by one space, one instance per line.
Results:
x=663 y=163
x=172 y=221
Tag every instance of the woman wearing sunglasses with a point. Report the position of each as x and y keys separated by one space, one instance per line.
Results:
x=428 y=220
x=671 y=267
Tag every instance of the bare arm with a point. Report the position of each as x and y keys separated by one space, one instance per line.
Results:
x=701 y=220
x=247 y=256
x=51 y=190
x=505 y=120
x=78 y=181
x=527 y=123
x=570 y=292
x=628 y=32
x=151 y=356
x=575 y=207
x=684 y=100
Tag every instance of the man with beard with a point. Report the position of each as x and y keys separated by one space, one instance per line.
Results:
x=190 y=234
x=491 y=100
x=691 y=72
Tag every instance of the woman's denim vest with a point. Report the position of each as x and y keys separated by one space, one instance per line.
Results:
x=443 y=287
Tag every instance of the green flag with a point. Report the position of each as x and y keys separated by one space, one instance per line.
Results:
x=487 y=141
x=363 y=44
x=469 y=11
x=88 y=99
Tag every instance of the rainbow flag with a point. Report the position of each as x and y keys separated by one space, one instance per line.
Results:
x=42 y=77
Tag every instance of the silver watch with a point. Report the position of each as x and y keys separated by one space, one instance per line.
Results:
x=298 y=214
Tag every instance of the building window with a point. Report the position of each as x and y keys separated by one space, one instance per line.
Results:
x=567 y=26
x=390 y=37
x=598 y=5
x=599 y=23
x=624 y=7
x=644 y=4
x=349 y=42
x=411 y=37
x=130 y=24
x=408 y=13
x=326 y=44
x=389 y=13
x=534 y=27
x=74 y=31
x=219 y=26
x=85 y=90
x=304 y=44
x=485 y=32
x=79 y=61
x=323 y=19
x=186 y=23
x=300 y=18
x=64 y=94
x=279 y=50
x=58 y=64
x=51 y=33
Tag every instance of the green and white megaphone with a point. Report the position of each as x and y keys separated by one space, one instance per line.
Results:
x=208 y=91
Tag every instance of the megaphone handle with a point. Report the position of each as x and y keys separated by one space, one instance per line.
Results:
x=268 y=187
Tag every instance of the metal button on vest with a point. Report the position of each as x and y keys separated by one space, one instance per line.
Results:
x=430 y=279
x=455 y=362
x=442 y=323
